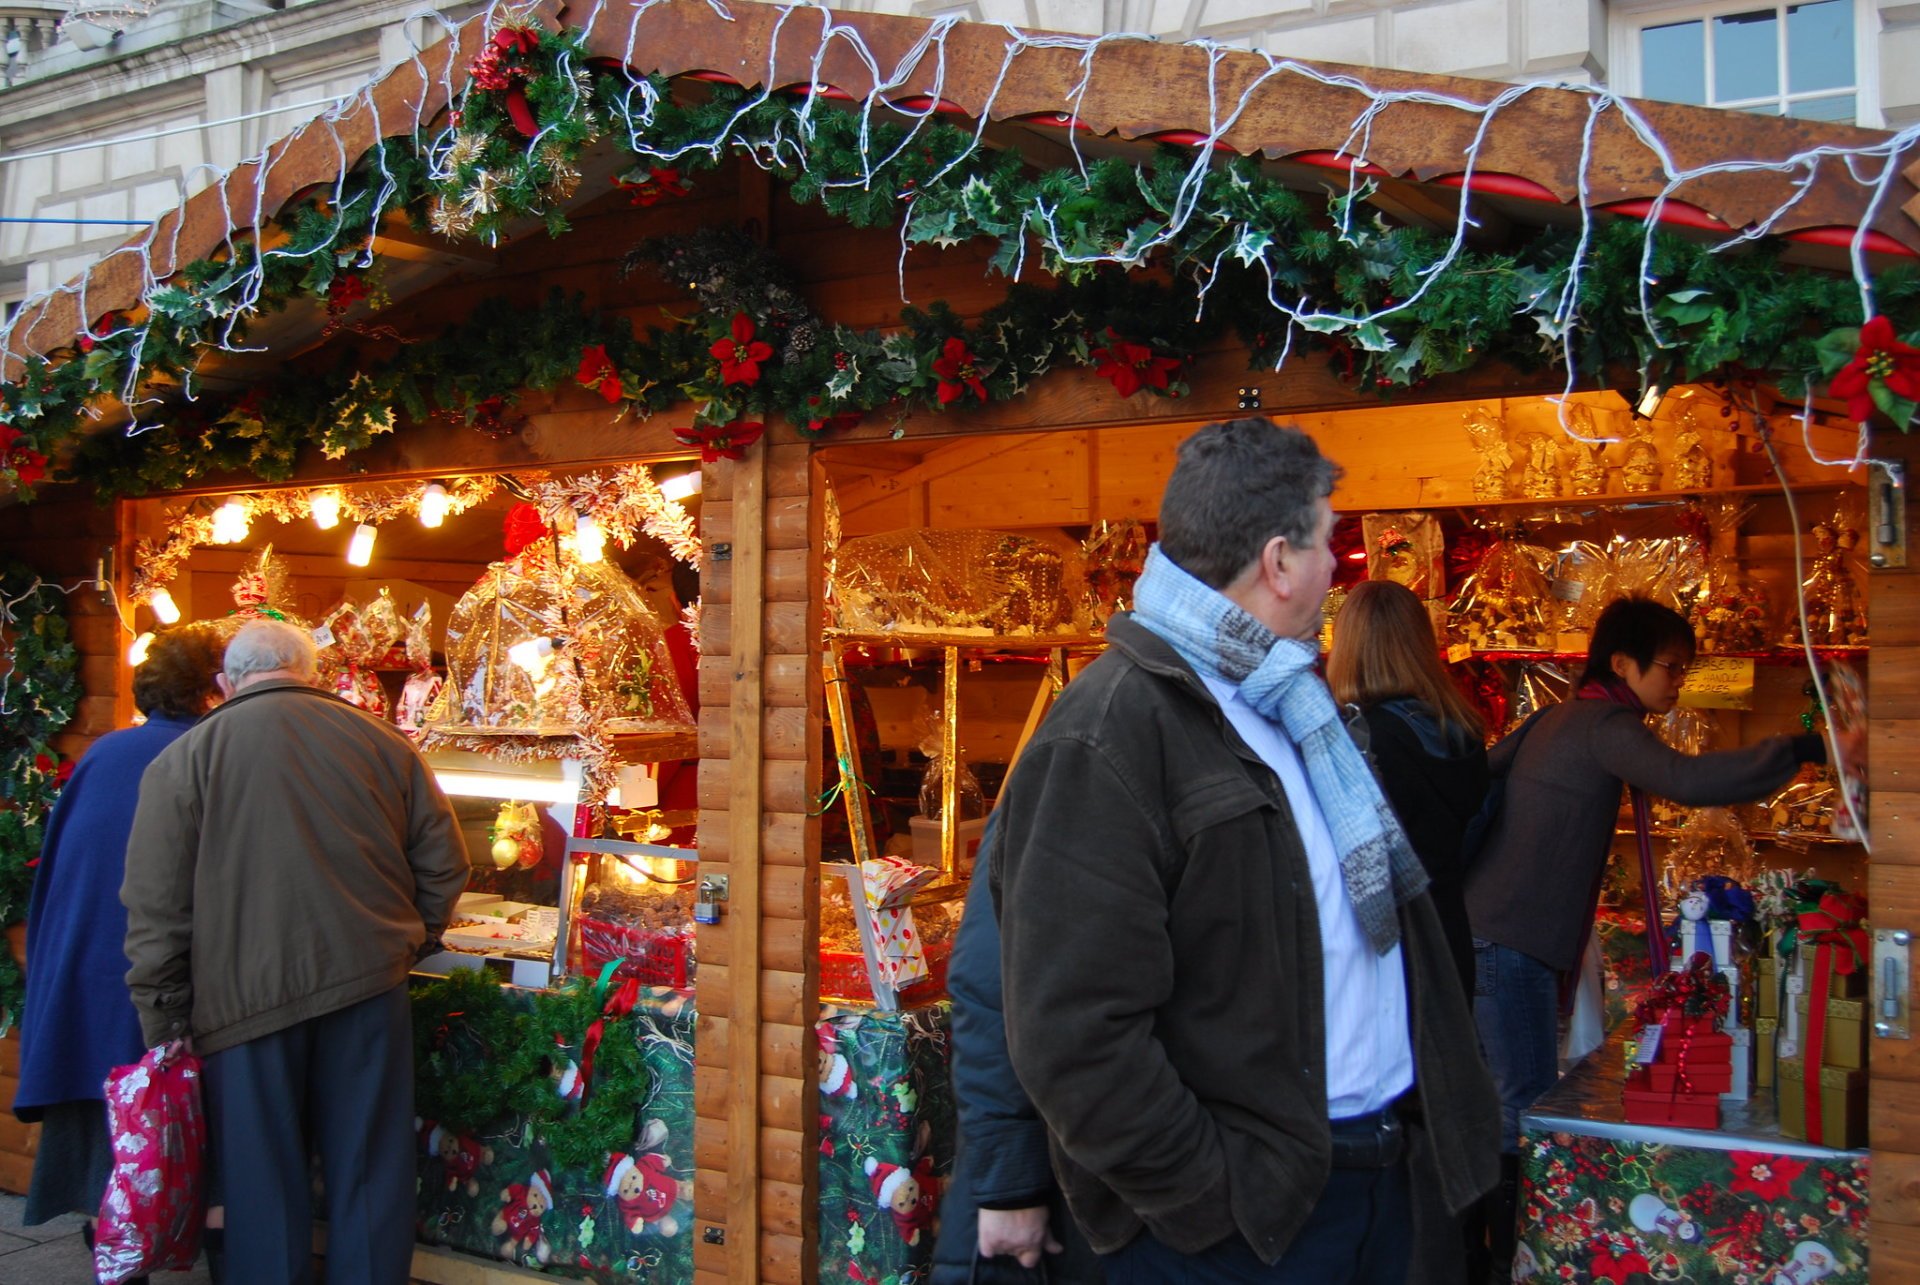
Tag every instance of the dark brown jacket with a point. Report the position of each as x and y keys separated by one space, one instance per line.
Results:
x=289 y=857
x=1162 y=967
x=1534 y=885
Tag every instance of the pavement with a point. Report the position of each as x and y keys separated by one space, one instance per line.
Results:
x=54 y=1254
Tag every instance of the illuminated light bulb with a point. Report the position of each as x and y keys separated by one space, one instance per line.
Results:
x=137 y=654
x=589 y=541
x=325 y=506
x=1650 y=401
x=532 y=654
x=681 y=487
x=165 y=609
x=230 y=523
x=360 y=548
x=434 y=502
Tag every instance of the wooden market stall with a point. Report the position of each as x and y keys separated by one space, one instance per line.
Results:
x=473 y=344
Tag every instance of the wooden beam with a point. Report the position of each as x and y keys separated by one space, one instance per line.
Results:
x=744 y=789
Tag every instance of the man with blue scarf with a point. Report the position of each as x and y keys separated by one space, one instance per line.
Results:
x=1227 y=992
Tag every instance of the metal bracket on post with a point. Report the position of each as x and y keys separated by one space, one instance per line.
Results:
x=1886 y=513
x=1892 y=983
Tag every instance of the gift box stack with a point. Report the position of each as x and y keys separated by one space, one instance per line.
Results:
x=889 y=883
x=1712 y=921
x=1684 y=1059
x=1822 y=1034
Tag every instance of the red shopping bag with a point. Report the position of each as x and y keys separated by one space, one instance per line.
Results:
x=155 y=1202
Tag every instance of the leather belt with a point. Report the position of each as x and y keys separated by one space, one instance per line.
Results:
x=1377 y=1140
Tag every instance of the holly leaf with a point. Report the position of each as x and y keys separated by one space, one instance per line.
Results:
x=933 y=223
x=982 y=206
x=1250 y=245
x=1686 y=307
x=904 y=1095
x=1892 y=404
x=1371 y=337
x=856 y=1239
x=1322 y=323
x=843 y=380
x=586 y=1231
x=1006 y=259
x=1836 y=348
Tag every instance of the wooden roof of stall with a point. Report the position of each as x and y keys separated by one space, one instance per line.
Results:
x=1299 y=116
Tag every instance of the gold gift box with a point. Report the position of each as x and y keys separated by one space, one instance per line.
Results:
x=1766 y=1038
x=1766 y=987
x=1840 y=985
x=1843 y=1104
x=1846 y=1044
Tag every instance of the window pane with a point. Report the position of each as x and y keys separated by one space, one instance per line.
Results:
x=1842 y=108
x=1819 y=46
x=1673 y=62
x=1746 y=56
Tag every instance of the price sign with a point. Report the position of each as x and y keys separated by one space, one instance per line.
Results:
x=1719 y=682
x=1459 y=652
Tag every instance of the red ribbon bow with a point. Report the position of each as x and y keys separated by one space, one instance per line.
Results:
x=1834 y=922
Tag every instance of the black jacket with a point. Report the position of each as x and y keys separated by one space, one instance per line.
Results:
x=1162 y=971
x=1436 y=785
x=1001 y=1154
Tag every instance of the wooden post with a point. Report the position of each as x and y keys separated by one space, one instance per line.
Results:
x=746 y=720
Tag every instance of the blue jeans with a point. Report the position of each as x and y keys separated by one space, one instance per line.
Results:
x=1359 y=1233
x=1516 y=1008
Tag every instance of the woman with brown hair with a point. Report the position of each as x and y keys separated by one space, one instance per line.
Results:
x=79 y=1022
x=1425 y=737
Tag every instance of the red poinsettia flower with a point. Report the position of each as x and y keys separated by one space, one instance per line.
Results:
x=598 y=372
x=645 y=187
x=721 y=441
x=1617 y=1260
x=1132 y=367
x=1881 y=357
x=1763 y=1174
x=64 y=772
x=28 y=466
x=959 y=372
x=740 y=356
x=345 y=292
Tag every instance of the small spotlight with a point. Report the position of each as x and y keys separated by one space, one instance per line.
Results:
x=325 y=506
x=360 y=548
x=230 y=523
x=681 y=487
x=433 y=505
x=589 y=541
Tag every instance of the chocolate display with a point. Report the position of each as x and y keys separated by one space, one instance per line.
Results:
x=1489 y=438
x=947 y=582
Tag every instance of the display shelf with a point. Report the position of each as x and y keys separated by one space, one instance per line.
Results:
x=970 y=642
x=1786 y=838
x=1618 y=499
x=1772 y=656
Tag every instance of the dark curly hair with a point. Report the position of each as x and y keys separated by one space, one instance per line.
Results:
x=177 y=676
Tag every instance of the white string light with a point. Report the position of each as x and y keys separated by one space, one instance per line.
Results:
x=360 y=547
x=164 y=608
x=325 y=508
x=434 y=503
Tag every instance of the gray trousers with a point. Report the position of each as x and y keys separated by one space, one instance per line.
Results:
x=339 y=1085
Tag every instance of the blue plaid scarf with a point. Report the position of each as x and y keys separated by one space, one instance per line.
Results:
x=1276 y=676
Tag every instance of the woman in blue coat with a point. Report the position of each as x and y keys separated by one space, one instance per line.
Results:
x=78 y=1022
x=1002 y=1218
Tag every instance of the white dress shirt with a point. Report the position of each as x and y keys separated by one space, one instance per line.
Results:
x=1369 y=1051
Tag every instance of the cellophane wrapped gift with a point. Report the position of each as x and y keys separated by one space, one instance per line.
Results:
x=261 y=592
x=1115 y=553
x=155 y=1199
x=1804 y=805
x=1588 y=575
x=984 y=583
x=1408 y=549
x=609 y=668
x=354 y=641
x=1540 y=684
x=1732 y=610
x=1712 y=842
x=1690 y=731
x=1503 y=604
x=424 y=682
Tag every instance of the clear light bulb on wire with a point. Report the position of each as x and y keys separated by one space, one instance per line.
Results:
x=165 y=609
x=137 y=654
x=434 y=502
x=360 y=547
x=681 y=487
x=325 y=507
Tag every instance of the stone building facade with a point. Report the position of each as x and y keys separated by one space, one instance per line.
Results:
x=112 y=113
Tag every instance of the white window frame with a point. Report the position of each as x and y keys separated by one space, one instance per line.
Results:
x=1628 y=18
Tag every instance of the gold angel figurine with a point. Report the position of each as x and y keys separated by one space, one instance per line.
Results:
x=1541 y=479
x=1692 y=466
x=1489 y=439
x=1641 y=472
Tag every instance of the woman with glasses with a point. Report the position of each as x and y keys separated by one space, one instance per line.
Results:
x=1533 y=889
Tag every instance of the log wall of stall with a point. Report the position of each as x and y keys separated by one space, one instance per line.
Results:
x=1893 y=893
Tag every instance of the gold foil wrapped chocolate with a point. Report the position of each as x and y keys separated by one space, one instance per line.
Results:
x=1408 y=549
x=1641 y=472
x=1804 y=805
x=1540 y=479
x=1836 y=616
x=1588 y=449
x=546 y=645
x=1116 y=553
x=959 y=582
x=1733 y=610
x=1692 y=466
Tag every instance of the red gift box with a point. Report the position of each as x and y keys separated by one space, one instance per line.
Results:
x=1716 y=1047
x=1685 y=1110
x=1679 y=1024
x=1702 y=1077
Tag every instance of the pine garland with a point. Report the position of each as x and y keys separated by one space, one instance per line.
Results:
x=1139 y=251
x=38 y=695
